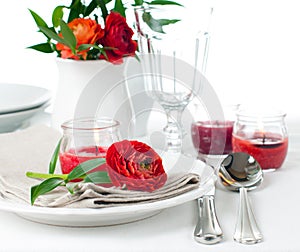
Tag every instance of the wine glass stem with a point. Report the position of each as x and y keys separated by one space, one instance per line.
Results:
x=174 y=130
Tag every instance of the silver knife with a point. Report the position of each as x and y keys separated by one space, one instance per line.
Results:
x=208 y=230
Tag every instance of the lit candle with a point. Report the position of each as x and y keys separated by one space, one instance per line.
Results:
x=262 y=136
x=268 y=149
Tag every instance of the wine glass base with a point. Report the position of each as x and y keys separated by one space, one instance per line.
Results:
x=212 y=160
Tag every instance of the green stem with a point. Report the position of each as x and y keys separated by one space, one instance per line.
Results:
x=45 y=175
x=103 y=8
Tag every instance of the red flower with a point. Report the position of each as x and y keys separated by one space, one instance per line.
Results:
x=135 y=164
x=86 y=31
x=118 y=35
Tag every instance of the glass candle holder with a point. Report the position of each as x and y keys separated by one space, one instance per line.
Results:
x=263 y=135
x=85 y=139
x=212 y=138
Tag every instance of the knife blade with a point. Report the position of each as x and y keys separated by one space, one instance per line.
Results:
x=208 y=230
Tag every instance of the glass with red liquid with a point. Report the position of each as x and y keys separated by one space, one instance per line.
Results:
x=263 y=135
x=86 y=139
x=212 y=138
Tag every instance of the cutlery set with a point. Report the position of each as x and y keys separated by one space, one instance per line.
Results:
x=238 y=172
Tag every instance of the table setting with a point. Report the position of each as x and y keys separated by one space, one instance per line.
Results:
x=137 y=151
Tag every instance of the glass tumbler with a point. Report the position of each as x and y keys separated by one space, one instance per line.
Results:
x=212 y=138
x=263 y=135
x=85 y=139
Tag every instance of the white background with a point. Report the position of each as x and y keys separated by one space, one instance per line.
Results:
x=254 y=57
x=254 y=54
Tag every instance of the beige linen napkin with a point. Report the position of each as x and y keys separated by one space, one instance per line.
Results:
x=31 y=150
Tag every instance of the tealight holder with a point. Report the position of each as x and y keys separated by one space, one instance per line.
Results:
x=262 y=133
x=212 y=137
x=85 y=139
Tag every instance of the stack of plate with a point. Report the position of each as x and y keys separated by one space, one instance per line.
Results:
x=19 y=103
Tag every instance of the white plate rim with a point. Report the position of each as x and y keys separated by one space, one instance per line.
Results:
x=51 y=216
x=45 y=97
x=12 y=121
x=153 y=206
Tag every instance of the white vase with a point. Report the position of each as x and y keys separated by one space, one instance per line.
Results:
x=91 y=89
x=101 y=89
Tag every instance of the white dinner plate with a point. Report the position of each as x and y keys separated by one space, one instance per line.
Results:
x=18 y=97
x=87 y=217
x=11 y=121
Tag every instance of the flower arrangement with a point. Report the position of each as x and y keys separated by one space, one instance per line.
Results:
x=84 y=36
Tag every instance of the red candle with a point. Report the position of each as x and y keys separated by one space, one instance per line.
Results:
x=267 y=148
x=212 y=137
x=70 y=159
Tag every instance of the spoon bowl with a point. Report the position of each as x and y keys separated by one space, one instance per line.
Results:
x=241 y=172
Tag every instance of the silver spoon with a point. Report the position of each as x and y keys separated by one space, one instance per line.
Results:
x=241 y=172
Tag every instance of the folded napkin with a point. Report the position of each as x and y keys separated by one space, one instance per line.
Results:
x=31 y=150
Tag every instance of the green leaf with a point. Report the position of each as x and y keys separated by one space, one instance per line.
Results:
x=83 y=47
x=103 y=52
x=38 y=175
x=51 y=34
x=106 y=1
x=70 y=187
x=90 y=8
x=99 y=177
x=44 y=47
x=168 y=21
x=53 y=161
x=119 y=7
x=138 y=2
x=38 y=20
x=157 y=24
x=44 y=187
x=76 y=8
x=68 y=35
x=57 y=15
x=164 y=2
x=102 y=5
x=137 y=58
x=85 y=167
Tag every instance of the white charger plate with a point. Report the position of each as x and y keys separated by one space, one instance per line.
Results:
x=12 y=121
x=18 y=97
x=86 y=217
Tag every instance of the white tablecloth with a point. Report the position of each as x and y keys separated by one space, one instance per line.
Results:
x=276 y=204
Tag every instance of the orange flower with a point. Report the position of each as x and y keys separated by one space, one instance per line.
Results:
x=86 y=31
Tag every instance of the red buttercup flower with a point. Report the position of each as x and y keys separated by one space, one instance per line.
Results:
x=135 y=164
x=118 y=36
x=86 y=31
